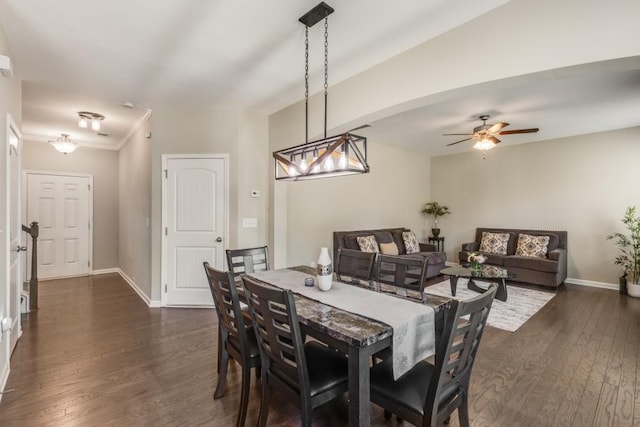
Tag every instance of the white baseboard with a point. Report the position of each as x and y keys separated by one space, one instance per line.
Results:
x=592 y=284
x=151 y=303
x=3 y=379
x=105 y=271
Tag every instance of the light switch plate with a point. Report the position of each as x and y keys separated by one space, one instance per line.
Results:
x=249 y=222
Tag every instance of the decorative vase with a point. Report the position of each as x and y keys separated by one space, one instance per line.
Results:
x=633 y=289
x=435 y=232
x=324 y=270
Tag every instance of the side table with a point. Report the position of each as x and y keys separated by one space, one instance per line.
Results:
x=439 y=242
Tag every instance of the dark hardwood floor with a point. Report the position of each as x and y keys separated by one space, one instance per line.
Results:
x=95 y=355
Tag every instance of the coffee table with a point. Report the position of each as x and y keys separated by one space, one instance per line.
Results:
x=488 y=273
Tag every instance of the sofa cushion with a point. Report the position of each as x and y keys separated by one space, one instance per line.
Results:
x=389 y=248
x=434 y=258
x=531 y=263
x=383 y=237
x=351 y=241
x=397 y=238
x=495 y=243
x=368 y=243
x=532 y=246
x=410 y=242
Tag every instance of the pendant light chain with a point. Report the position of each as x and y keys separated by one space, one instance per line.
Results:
x=306 y=84
x=326 y=69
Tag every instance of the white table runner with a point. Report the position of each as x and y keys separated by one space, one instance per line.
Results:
x=413 y=323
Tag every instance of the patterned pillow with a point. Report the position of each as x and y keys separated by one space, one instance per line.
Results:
x=494 y=243
x=389 y=248
x=368 y=244
x=532 y=246
x=410 y=242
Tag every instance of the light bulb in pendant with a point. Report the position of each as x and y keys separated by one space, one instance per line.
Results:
x=328 y=164
x=303 y=164
x=342 y=163
x=82 y=122
x=95 y=124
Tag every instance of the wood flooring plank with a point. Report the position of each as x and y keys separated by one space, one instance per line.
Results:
x=96 y=355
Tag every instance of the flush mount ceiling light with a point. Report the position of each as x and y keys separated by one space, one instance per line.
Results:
x=86 y=117
x=330 y=156
x=64 y=144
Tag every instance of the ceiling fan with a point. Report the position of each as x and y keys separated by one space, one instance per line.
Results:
x=485 y=134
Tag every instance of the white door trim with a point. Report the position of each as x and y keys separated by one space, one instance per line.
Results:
x=163 y=255
x=27 y=172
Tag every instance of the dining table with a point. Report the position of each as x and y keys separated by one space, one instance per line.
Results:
x=357 y=335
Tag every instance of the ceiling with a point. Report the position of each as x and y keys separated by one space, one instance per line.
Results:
x=95 y=56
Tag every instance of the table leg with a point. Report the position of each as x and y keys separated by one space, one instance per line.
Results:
x=453 y=281
x=501 y=293
x=359 y=403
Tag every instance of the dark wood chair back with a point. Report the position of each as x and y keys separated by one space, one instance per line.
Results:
x=354 y=266
x=236 y=337
x=445 y=384
x=248 y=260
x=308 y=374
x=402 y=271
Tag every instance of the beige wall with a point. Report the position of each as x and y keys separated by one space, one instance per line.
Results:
x=581 y=184
x=10 y=103
x=103 y=165
x=532 y=36
x=134 y=208
x=390 y=196
x=210 y=130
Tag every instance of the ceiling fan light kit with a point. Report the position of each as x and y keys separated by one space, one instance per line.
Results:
x=338 y=155
x=485 y=134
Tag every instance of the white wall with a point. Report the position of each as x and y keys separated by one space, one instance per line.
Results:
x=581 y=184
x=134 y=208
x=103 y=165
x=530 y=36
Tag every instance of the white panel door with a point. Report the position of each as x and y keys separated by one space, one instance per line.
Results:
x=194 y=227
x=60 y=205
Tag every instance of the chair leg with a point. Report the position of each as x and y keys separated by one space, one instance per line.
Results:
x=463 y=411
x=222 y=377
x=244 y=395
x=264 y=404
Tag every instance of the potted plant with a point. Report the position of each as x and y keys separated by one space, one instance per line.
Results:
x=435 y=210
x=629 y=245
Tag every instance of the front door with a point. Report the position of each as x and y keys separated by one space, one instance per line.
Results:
x=194 y=226
x=61 y=206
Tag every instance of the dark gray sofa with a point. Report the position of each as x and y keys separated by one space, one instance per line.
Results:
x=347 y=239
x=550 y=271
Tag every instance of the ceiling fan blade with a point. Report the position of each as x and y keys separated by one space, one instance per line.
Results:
x=460 y=134
x=495 y=128
x=462 y=140
x=493 y=139
x=509 y=132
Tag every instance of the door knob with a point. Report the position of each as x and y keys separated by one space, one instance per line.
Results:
x=219 y=239
x=21 y=248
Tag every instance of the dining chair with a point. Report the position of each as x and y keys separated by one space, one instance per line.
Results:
x=428 y=394
x=247 y=260
x=402 y=272
x=307 y=374
x=354 y=266
x=237 y=340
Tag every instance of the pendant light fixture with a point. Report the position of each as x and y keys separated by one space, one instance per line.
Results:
x=338 y=155
x=64 y=144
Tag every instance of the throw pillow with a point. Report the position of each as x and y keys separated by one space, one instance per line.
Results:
x=532 y=246
x=494 y=243
x=368 y=244
x=389 y=248
x=410 y=242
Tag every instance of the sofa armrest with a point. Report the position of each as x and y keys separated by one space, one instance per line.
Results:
x=560 y=256
x=470 y=247
x=427 y=247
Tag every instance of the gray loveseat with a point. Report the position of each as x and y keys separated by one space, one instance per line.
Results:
x=348 y=240
x=550 y=271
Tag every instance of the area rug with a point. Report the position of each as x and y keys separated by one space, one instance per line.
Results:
x=521 y=304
